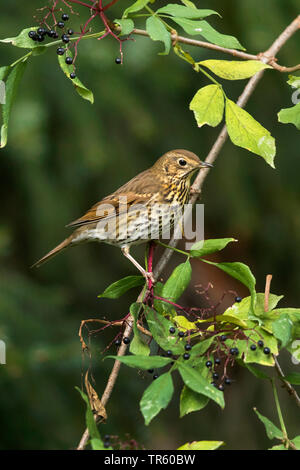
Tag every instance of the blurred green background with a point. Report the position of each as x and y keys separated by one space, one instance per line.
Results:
x=65 y=154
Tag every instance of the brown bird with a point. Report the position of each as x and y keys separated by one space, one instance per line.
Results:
x=140 y=210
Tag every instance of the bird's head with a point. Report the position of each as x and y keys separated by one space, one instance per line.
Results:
x=179 y=164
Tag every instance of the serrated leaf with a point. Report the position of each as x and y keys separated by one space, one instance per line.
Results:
x=271 y=430
x=194 y=380
x=185 y=11
x=290 y=115
x=137 y=345
x=293 y=378
x=118 y=288
x=208 y=105
x=282 y=329
x=157 y=397
x=159 y=327
x=201 y=445
x=158 y=32
x=126 y=25
x=136 y=6
x=143 y=362
x=244 y=131
x=23 y=40
x=233 y=69
x=81 y=89
x=11 y=88
x=242 y=273
x=177 y=282
x=205 y=30
x=191 y=401
x=206 y=247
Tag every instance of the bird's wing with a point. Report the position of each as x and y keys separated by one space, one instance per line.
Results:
x=112 y=206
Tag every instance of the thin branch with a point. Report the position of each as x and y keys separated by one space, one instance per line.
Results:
x=198 y=183
x=267 y=292
x=286 y=384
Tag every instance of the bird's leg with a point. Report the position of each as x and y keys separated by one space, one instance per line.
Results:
x=148 y=275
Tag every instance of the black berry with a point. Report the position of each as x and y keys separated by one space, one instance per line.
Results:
x=60 y=51
x=70 y=32
x=267 y=350
x=118 y=61
x=221 y=387
x=181 y=334
x=106 y=444
x=169 y=353
x=40 y=38
x=61 y=24
x=217 y=361
x=42 y=31
x=214 y=384
x=215 y=375
x=155 y=376
x=55 y=35
x=172 y=330
x=227 y=381
x=118 y=342
x=186 y=356
x=208 y=363
x=65 y=38
x=150 y=371
x=187 y=347
x=72 y=75
x=253 y=347
x=260 y=343
x=126 y=340
x=69 y=60
x=223 y=338
x=238 y=299
x=107 y=437
x=32 y=35
x=234 y=351
x=64 y=17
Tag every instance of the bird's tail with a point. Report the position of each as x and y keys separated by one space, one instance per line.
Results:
x=62 y=246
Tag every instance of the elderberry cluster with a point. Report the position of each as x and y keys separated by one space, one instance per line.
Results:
x=40 y=34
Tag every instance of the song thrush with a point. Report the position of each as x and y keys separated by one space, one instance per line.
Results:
x=138 y=211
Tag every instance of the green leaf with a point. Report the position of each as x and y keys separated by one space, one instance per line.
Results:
x=11 y=88
x=258 y=356
x=194 y=380
x=81 y=89
x=185 y=11
x=143 y=362
x=159 y=327
x=271 y=430
x=242 y=273
x=137 y=345
x=278 y=447
x=4 y=71
x=156 y=397
x=208 y=105
x=90 y=422
x=293 y=378
x=233 y=69
x=244 y=131
x=188 y=3
x=201 y=445
x=204 y=29
x=126 y=25
x=118 y=288
x=296 y=442
x=23 y=40
x=294 y=81
x=191 y=401
x=177 y=282
x=136 y=6
x=206 y=247
x=256 y=372
x=282 y=329
x=290 y=115
x=200 y=348
x=158 y=32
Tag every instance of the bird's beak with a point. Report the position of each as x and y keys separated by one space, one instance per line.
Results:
x=206 y=165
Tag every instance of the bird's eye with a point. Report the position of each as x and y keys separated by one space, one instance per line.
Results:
x=182 y=162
